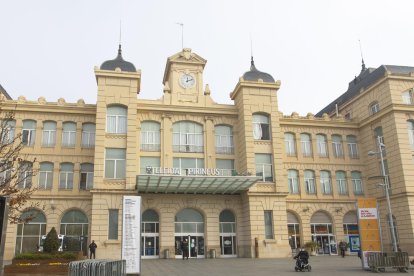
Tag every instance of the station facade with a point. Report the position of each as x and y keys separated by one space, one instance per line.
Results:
x=236 y=180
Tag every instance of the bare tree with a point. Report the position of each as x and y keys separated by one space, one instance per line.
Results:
x=16 y=168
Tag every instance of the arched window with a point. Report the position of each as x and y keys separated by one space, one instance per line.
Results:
x=224 y=139
x=227 y=233
x=7 y=130
x=189 y=223
x=116 y=119
x=351 y=232
x=305 y=140
x=29 y=234
x=49 y=134
x=293 y=225
x=290 y=144
x=86 y=176
x=66 y=176
x=88 y=135
x=322 y=233
x=338 y=151
x=357 y=183
x=374 y=107
x=293 y=181
x=322 y=145
x=69 y=135
x=188 y=137
x=150 y=136
x=150 y=232
x=261 y=127
x=341 y=182
x=326 y=186
x=310 y=182
x=46 y=175
x=74 y=225
x=352 y=146
x=410 y=128
x=29 y=132
x=25 y=174
x=407 y=96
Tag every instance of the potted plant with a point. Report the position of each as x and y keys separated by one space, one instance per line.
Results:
x=311 y=247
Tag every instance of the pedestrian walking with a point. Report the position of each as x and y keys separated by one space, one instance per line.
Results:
x=184 y=248
x=92 y=249
x=342 y=248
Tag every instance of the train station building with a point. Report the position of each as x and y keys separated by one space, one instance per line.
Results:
x=239 y=180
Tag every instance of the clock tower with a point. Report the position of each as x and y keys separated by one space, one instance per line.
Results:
x=183 y=80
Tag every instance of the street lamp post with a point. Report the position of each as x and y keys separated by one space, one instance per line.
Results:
x=381 y=148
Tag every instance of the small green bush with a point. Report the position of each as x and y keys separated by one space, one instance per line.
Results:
x=46 y=256
x=51 y=243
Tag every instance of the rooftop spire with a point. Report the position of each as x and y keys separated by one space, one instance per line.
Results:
x=252 y=67
x=119 y=51
x=363 y=66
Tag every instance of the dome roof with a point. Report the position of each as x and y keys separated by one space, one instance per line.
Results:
x=118 y=62
x=255 y=75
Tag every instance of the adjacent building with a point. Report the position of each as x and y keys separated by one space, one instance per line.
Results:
x=237 y=180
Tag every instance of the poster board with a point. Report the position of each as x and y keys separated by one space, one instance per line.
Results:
x=368 y=228
x=131 y=234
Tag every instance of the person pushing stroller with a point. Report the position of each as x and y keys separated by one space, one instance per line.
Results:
x=302 y=260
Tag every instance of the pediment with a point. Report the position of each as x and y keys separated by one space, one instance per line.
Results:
x=183 y=57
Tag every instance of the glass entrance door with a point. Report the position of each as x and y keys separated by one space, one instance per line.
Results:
x=195 y=247
x=228 y=246
x=149 y=246
x=326 y=245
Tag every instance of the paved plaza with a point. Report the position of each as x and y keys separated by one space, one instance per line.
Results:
x=329 y=265
x=321 y=266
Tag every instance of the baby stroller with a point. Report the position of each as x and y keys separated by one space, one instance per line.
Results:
x=302 y=263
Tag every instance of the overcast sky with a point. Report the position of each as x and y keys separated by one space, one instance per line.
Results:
x=50 y=48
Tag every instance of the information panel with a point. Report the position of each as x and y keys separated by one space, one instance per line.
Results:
x=131 y=234
x=368 y=228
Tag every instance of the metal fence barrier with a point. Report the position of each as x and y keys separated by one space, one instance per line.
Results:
x=379 y=261
x=97 y=268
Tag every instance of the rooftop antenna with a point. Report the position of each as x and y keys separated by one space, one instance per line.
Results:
x=182 y=33
x=251 y=53
x=120 y=31
x=362 y=57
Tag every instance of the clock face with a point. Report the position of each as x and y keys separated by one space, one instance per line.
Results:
x=187 y=81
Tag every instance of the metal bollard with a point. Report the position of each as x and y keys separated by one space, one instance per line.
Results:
x=166 y=253
x=212 y=253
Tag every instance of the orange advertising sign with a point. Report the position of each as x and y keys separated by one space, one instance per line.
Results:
x=369 y=231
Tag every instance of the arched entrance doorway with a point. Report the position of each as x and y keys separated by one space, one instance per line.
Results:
x=351 y=232
x=150 y=237
x=29 y=234
x=322 y=234
x=189 y=224
x=293 y=231
x=74 y=225
x=227 y=234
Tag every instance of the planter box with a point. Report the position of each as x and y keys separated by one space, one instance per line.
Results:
x=46 y=267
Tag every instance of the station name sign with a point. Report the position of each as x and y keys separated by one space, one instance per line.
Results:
x=189 y=171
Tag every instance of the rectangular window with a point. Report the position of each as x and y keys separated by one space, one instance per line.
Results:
x=341 y=183
x=187 y=165
x=322 y=146
x=49 y=138
x=68 y=139
x=28 y=137
x=268 y=220
x=306 y=148
x=115 y=160
x=148 y=163
x=66 y=176
x=86 y=176
x=293 y=182
x=113 y=224
x=326 y=183
x=46 y=176
x=375 y=108
x=226 y=167
x=357 y=183
x=88 y=139
x=264 y=166
x=310 y=182
x=290 y=144
x=261 y=127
